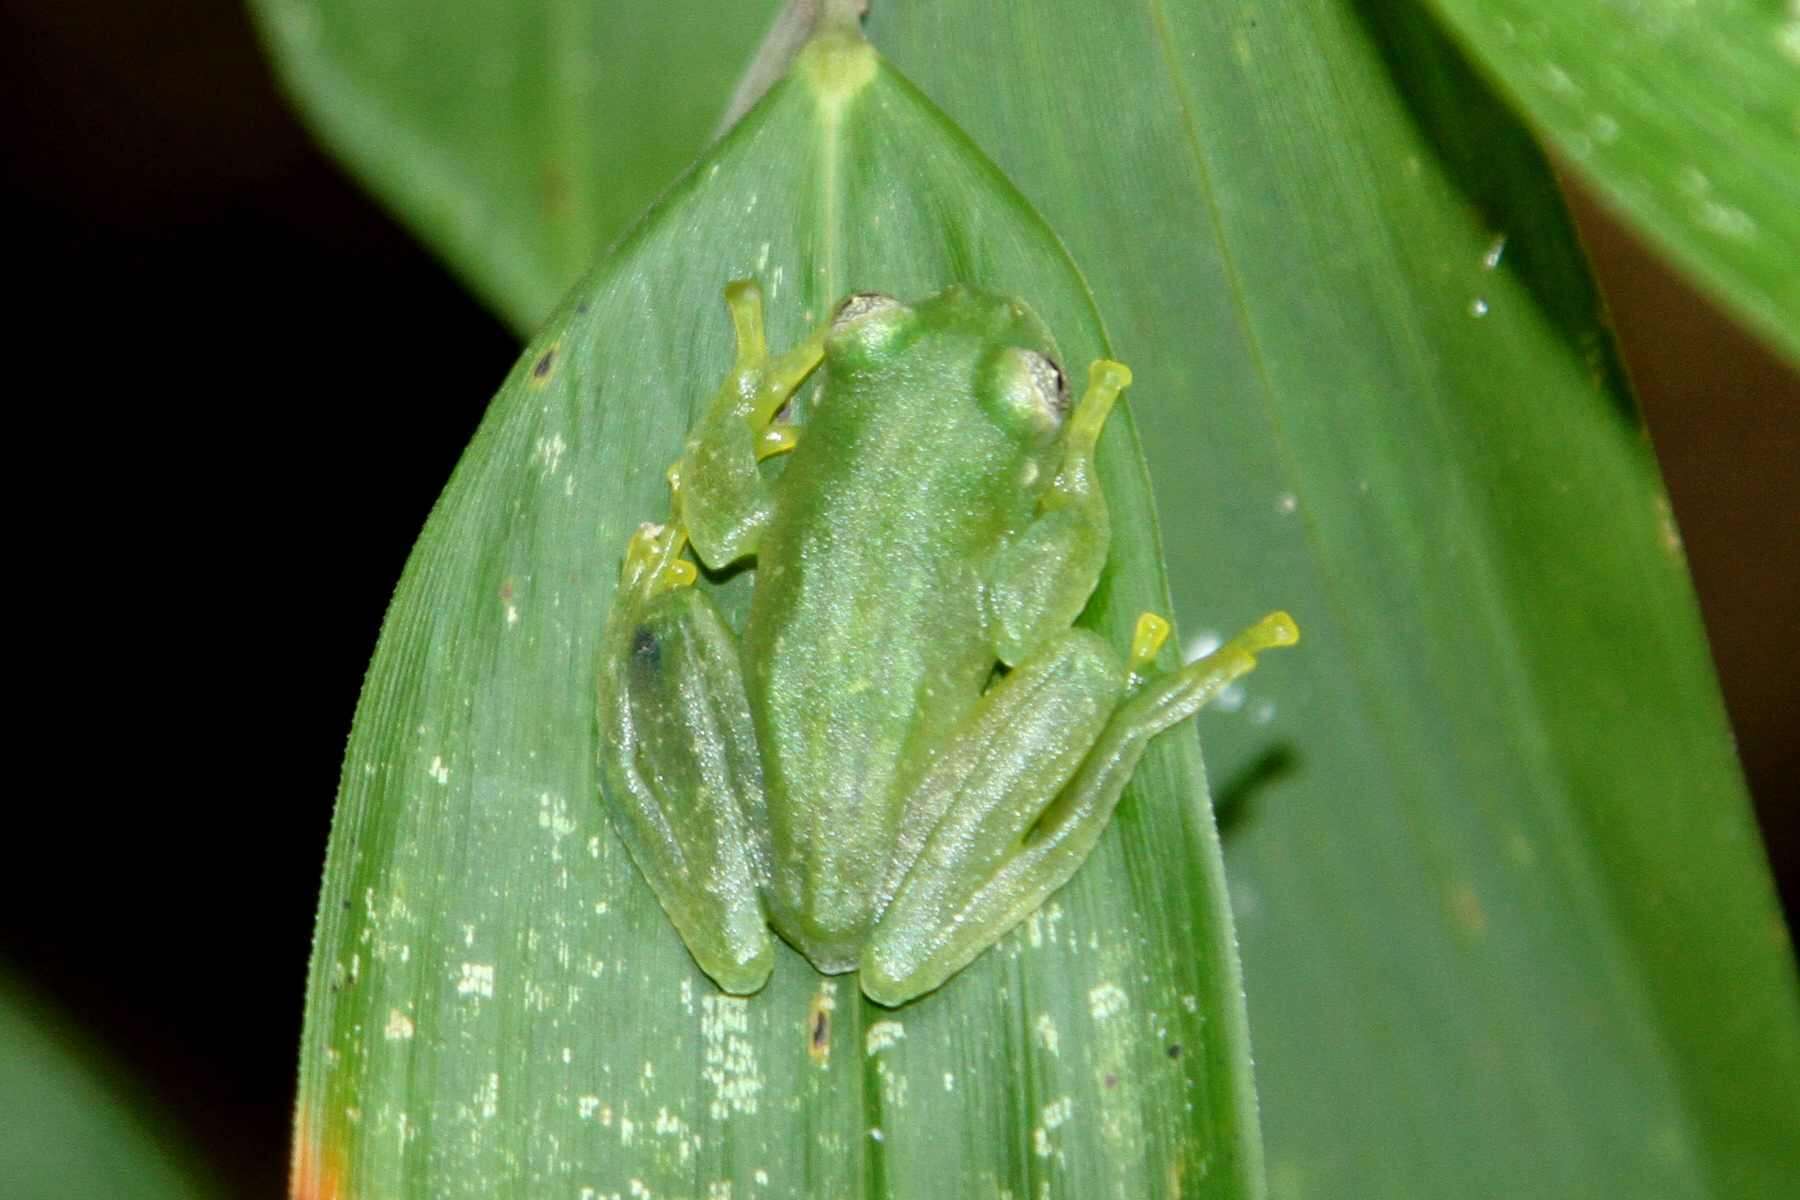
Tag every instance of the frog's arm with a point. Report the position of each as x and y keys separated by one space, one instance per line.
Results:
x=721 y=496
x=1040 y=580
x=679 y=762
x=1022 y=793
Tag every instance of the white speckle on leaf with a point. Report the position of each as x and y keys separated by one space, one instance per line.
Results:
x=1047 y=1037
x=729 y=1056
x=477 y=980
x=881 y=1035
x=512 y=615
x=399 y=1026
x=1107 y=1000
x=489 y=1095
x=439 y=770
x=549 y=451
x=949 y=1081
x=553 y=814
x=1262 y=712
x=1058 y=1112
x=1287 y=503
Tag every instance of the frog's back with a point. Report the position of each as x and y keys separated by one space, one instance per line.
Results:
x=866 y=640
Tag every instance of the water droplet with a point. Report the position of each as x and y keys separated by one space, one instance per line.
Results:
x=1201 y=645
x=1478 y=307
x=1495 y=249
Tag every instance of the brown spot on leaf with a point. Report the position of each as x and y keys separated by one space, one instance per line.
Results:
x=818 y=1028
x=541 y=369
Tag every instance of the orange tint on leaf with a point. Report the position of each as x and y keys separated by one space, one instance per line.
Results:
x=318 y=1169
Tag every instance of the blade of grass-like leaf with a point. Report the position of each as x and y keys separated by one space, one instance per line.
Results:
x=497 y=1005
x=518 y=139
x=1686 y=117
x=1507 y=926
x=67 y=1129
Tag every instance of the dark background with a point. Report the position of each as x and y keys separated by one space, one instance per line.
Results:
x=241 y=386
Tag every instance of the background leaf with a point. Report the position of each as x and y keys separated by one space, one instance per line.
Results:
x=497 y=1005
x=515 y=138
x=69 y=1126
x=1684 y=116
x=1507 y=926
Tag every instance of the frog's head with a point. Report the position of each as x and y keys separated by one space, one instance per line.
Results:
x=994 y=344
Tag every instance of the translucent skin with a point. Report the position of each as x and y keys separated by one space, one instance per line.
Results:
x=892 y=800
x=869 y=637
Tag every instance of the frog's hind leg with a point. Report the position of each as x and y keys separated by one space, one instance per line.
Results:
x=719 y=494
x=679 y=762
x=1019 y=797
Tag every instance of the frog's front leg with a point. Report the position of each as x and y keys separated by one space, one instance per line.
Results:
x=1020 y=795
x=679 y=760
x=1040 y=580
x=720 y=494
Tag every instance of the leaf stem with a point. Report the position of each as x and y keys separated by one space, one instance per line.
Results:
x=796 y=24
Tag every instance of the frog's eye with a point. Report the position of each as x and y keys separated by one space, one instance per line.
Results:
x=859 y=307
x=1033 y=389
x=1052 y=387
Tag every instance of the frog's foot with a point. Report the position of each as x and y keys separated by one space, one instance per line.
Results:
x=653 y=562
x=765 y=383
x=1106 y=379
x=724 y=502
x=1165 y=700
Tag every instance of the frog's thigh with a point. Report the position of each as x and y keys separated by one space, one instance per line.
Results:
x=683 y=778
x=967 y=870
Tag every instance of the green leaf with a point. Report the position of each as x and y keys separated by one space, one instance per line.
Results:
x=497 y=1005
x=1507 y=926
x=70 y=1126
x=518 y=139
x=1685 y=117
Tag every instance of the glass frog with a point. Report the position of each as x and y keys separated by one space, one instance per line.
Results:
x=909 y=745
